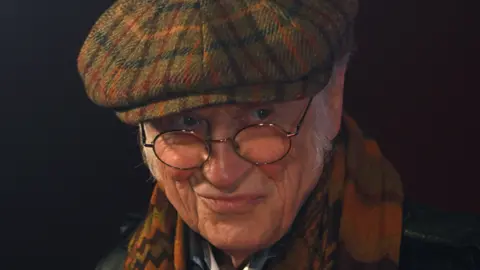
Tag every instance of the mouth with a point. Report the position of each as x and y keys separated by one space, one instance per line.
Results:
x=232 y=205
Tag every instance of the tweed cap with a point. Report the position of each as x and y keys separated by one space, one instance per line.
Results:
x=151 y=58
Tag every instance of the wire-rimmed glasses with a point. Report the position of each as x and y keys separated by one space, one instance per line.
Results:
x=259 y=144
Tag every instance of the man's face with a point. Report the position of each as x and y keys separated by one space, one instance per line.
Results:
x=234 y=204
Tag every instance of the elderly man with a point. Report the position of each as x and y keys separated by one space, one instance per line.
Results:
x=239 y=108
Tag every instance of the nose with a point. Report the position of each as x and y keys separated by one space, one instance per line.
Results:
x=225 y=169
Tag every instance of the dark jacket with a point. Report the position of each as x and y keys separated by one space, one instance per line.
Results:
x=432 y=240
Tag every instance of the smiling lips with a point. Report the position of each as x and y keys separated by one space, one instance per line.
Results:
x=233 y=204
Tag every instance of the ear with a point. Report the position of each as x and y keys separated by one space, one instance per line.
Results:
x=334 y=99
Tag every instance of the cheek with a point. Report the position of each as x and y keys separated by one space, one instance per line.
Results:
x=176 y=186
x=273 y=171
x=179 y=177
x=169 y=177
x=164 y=173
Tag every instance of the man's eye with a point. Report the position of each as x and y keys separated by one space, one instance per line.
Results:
x=189 y=121
x=262 y=114
x=181 y=122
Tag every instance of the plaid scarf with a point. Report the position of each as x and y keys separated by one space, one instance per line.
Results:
x=352 y=222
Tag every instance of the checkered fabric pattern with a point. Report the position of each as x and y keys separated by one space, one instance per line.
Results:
x=150 y=58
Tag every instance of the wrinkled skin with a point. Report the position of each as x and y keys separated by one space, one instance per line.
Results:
x=283 y=186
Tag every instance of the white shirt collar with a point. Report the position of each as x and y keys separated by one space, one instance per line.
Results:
x=213 y=263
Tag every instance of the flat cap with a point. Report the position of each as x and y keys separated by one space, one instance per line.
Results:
x=150 y=58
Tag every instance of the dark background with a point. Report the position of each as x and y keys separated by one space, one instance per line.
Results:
x=70 y=171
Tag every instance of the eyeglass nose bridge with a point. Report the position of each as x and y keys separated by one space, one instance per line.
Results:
x=230 y=140
x=220 y=140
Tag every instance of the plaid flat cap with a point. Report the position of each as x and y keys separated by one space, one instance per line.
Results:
x=151 y=58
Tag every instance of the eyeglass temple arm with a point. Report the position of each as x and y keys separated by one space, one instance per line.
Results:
x=143 y=136
x=300 y=122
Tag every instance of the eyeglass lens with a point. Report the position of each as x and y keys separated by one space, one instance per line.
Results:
x=257 y=144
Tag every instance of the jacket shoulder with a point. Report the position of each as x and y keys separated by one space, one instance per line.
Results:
x=115 y=259
x=434 y=239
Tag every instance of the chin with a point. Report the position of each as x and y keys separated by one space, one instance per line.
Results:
x=239 y=235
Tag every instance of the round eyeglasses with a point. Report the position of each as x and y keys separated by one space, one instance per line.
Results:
x=259 y=144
